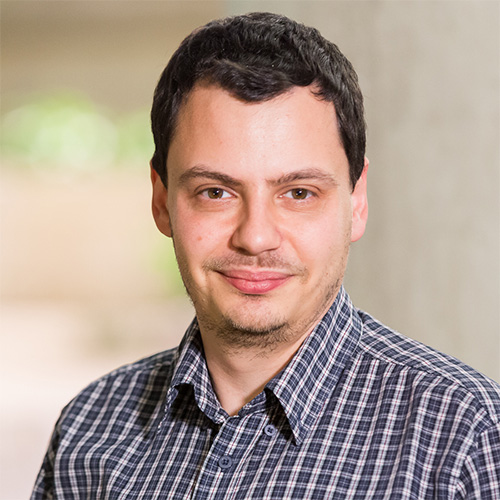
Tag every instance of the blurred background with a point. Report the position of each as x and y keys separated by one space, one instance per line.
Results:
x=87 y=282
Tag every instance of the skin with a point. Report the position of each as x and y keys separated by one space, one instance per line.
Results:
x=262 y=213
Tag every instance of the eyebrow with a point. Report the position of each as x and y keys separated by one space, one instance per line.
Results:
x=206 y=173
x=306 y=174
x=201 y=171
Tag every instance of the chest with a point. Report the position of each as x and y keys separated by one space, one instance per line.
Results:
x=344 y=456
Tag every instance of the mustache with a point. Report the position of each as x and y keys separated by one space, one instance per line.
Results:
x=263 y=261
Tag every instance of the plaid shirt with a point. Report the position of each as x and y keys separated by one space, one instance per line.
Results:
x=360 y=412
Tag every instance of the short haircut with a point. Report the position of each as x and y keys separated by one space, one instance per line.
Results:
x=257 y=57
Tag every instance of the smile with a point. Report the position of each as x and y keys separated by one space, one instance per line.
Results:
x=255 y=283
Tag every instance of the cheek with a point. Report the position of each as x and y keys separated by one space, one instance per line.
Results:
x=207 y=231
x=320 y=232
x=198 y=238
x=321 y=242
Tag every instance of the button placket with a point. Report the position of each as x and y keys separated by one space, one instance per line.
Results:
x=226 y=455
x=226 y=461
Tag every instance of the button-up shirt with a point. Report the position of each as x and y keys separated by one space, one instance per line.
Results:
x=360 y=412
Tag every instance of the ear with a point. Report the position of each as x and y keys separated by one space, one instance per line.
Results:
x=359 y=205
x=159 y=204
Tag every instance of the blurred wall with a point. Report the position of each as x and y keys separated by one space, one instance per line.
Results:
x=82 y=278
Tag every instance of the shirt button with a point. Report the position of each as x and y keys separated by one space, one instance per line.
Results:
x=225 y=462
x=269 y=430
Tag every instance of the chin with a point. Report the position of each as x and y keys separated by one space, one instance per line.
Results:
x=252 y=327
x=254 y=317
x=243 y=335
x=255 y=328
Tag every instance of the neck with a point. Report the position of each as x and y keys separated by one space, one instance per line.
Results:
x=240 y=373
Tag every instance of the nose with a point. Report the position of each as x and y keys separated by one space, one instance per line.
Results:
x=257 y=230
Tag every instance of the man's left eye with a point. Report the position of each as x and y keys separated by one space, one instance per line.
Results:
x=298 y=194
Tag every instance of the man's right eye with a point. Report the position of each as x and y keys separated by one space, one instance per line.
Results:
x=215 y=193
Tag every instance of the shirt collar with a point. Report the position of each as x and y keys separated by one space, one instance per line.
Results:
x=191 y=369
x=302 y=388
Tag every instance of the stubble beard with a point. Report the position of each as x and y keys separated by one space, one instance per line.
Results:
x=265 y=336
x=234 y=333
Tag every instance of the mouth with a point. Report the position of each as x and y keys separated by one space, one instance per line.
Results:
x=255 y=283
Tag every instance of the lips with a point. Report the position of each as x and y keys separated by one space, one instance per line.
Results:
x=255 y=283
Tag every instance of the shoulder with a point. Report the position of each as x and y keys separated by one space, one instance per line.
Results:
x=430 y=371
x=131 y=389
x=143 y=372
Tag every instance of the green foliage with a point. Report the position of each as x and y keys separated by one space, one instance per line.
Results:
x=69 y=132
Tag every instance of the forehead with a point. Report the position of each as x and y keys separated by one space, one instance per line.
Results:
x=292 y=131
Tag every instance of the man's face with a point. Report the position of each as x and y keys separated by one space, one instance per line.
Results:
x=260 y=208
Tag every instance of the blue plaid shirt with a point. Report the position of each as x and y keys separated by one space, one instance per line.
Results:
x=360 y=412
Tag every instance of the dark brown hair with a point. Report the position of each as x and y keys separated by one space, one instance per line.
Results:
x=256 y=57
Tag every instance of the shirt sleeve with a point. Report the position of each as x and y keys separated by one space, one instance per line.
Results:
x=44 y=484
x=480 y=477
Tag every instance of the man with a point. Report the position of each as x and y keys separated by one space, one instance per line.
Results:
x=280 y=388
